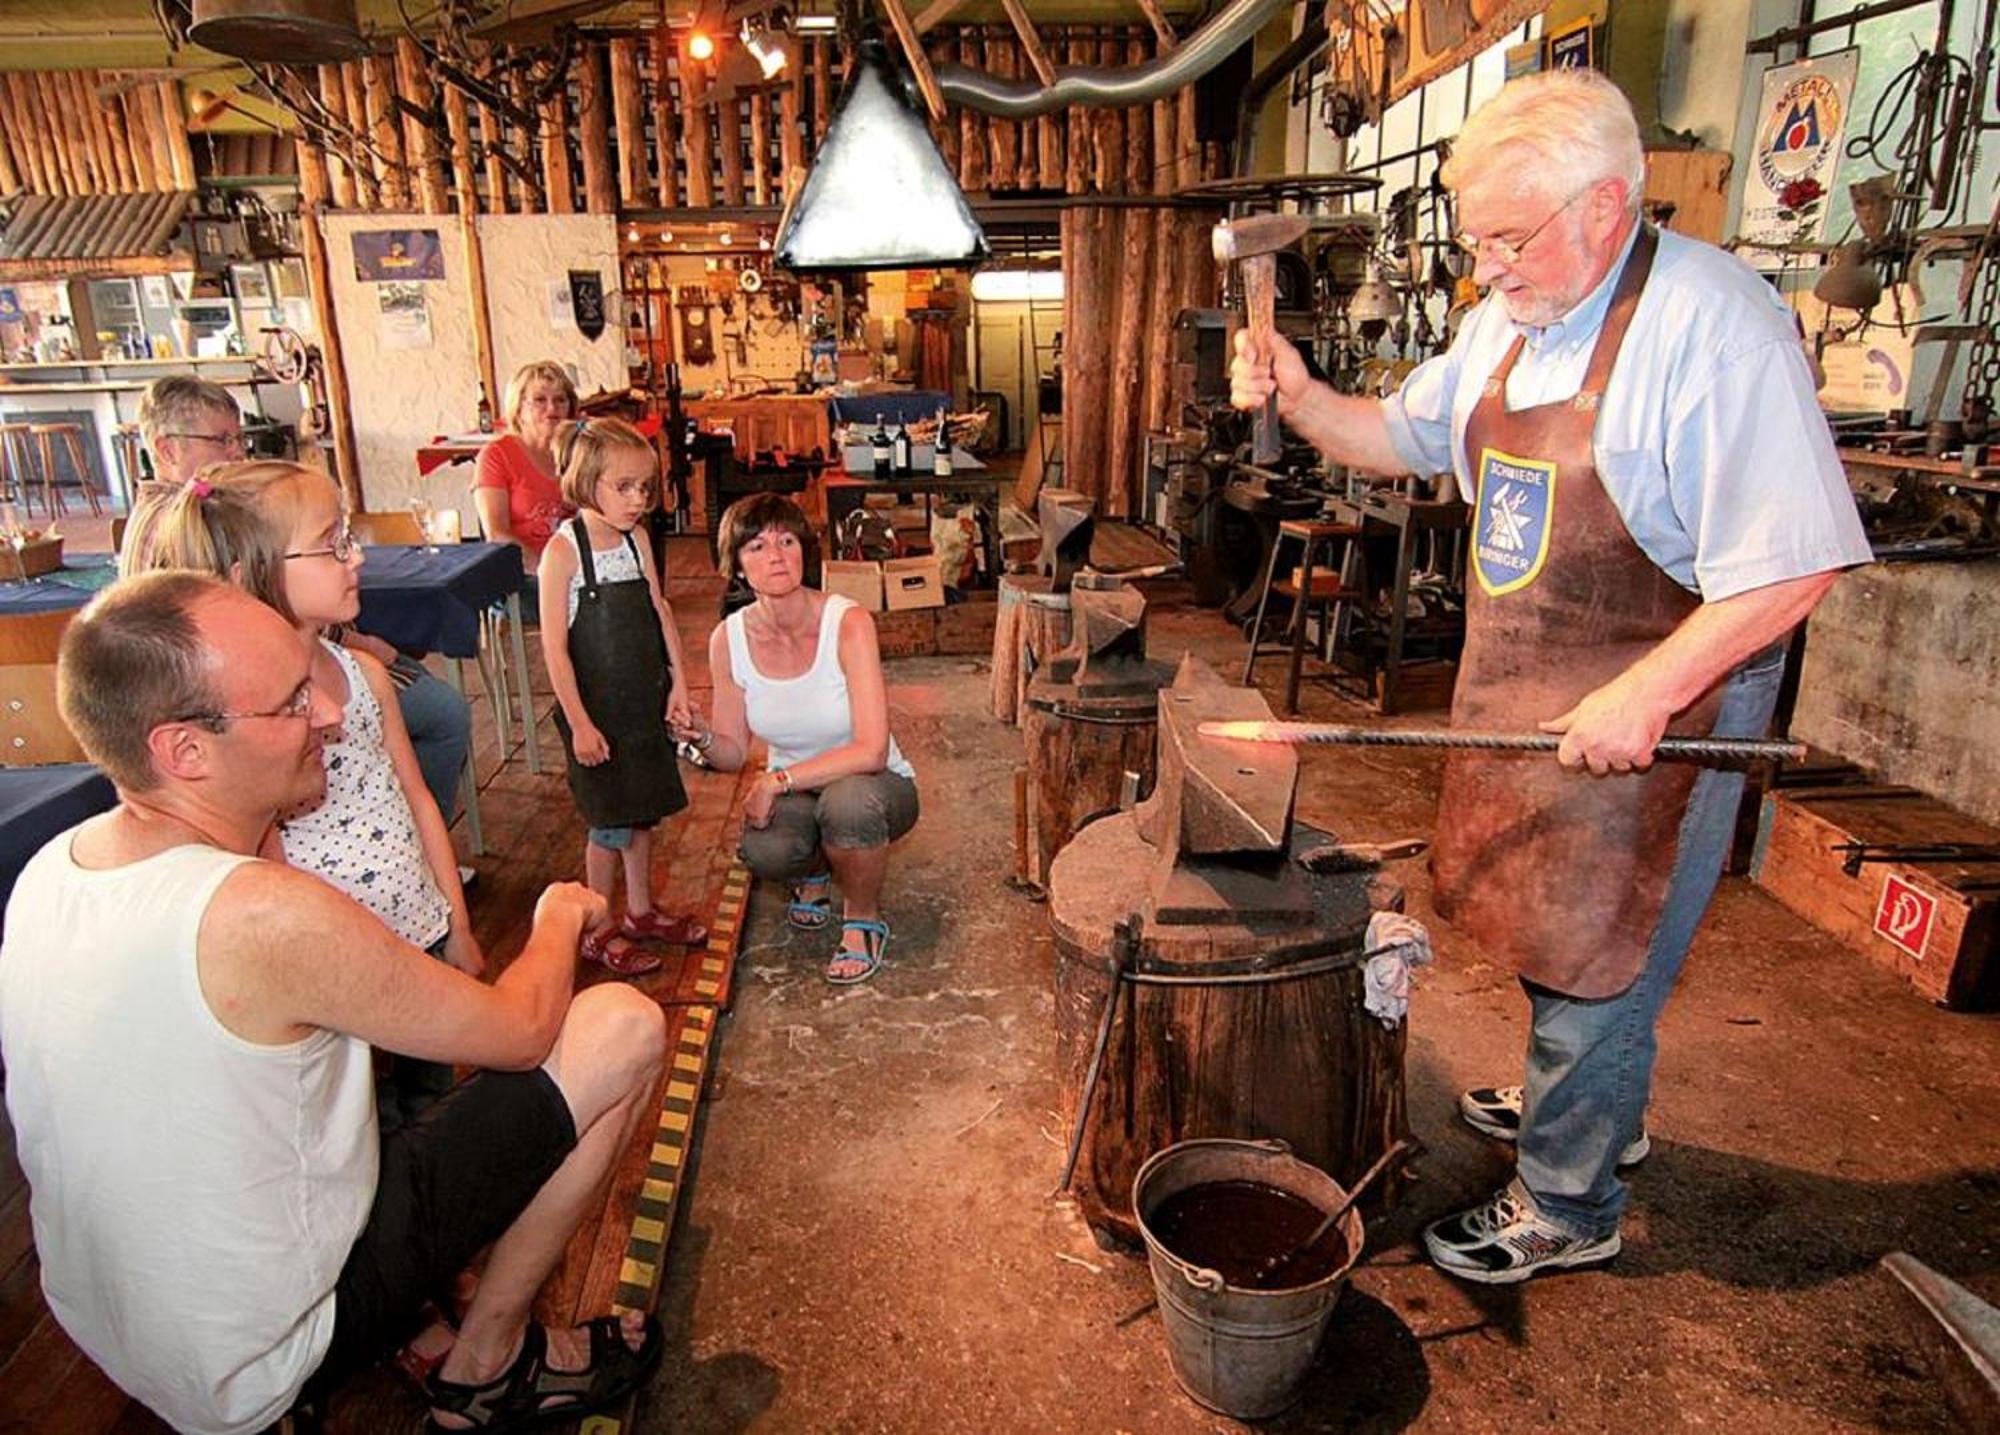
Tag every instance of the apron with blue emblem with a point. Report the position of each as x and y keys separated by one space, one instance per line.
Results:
x=1559 y=874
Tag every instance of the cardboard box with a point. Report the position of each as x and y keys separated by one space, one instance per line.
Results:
x=1898 y=876
x=860 y=581
x=912 y=583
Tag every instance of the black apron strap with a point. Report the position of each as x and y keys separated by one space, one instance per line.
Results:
x=581 y=535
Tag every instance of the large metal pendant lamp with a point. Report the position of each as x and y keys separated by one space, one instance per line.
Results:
x=880 y=195
x=296 y=32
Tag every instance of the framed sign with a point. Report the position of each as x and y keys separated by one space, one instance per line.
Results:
x=1795 y=156
x=1571 y=48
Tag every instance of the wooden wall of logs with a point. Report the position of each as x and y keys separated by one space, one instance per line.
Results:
x=636 y=128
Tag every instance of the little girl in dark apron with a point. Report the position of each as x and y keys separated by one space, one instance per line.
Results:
x=614 y=661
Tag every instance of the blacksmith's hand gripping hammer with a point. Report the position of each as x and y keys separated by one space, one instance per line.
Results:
x=1253 y=243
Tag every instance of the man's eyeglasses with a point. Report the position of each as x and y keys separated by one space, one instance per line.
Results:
x=229 y=442
x=1510 y=251
x=298 y=705
x=339 y=550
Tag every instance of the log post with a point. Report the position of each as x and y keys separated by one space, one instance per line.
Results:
x=556 y=177
x=913 y=53
x=413 y=82
x=1107 y=126
x=392 y=179
x=1090 y=288
x=353 y=85
x=113 y=118
x=1166 y=144
x=315 y=188
x=96 y=140
x=943 y=52
x=529 y=176
x=333 y=100
x=729 y=135
x=760 y=145
x=791 y=143
x=1160 y=305
x=1076 y=160
x=76 y=173
x=700 y=148
x=10 y=172
x=822 y=96
x=1187 y=165
x=464 y=178
x=35 y=158
x=320 y=289
x=629 y=115
x=482 y=318
x=593 y=114
x=1128 y=380
x=666 y=121
x=972 y=154
x=1003 y=137
x=1138 y=129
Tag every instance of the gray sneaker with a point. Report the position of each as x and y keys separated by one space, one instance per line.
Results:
x=1507 y=1240
x=1496 y=1111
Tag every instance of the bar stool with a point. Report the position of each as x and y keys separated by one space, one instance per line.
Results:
x=1312 y=536
x=17 y=465
x=72 y=439
x=127 y=444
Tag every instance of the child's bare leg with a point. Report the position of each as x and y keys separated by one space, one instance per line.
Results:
x=639 y=872
x=600 y=869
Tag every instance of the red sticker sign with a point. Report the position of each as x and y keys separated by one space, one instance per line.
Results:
x=1905 y=915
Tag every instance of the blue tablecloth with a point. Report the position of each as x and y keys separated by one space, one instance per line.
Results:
x=38 y=802
x=70 y=586
x=896 y=408
x=426 y=602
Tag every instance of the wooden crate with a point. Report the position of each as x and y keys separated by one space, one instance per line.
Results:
x=1937 y=923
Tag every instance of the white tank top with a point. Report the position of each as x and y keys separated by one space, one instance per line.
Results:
x=193 y=1195
x=361 y=837
x=807 y=715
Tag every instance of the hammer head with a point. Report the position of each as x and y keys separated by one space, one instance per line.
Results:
x=1256 y=234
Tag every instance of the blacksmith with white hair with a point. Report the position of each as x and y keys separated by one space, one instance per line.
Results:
x=1657 y=503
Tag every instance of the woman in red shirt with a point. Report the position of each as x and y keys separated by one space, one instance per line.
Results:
x=515 y=482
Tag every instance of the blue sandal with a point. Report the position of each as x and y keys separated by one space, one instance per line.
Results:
x=810 y=915
x=876 y=935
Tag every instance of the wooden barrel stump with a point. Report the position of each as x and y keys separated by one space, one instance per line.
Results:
x=1228 y=1030
x=1076 y=771
x=1032 y=625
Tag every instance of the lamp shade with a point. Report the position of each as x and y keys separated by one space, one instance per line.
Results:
x=880 y=195
x=1849 y=283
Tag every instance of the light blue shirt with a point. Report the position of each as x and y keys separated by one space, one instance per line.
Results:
x=1709 y=440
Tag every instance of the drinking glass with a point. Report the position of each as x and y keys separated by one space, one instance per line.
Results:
x=420 y=509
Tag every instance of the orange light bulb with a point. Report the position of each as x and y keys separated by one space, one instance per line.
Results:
x=701 y=46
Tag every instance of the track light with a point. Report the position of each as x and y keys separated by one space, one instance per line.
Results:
x=701 y=45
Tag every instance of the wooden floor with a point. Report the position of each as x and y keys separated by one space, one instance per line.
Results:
x=533 y=836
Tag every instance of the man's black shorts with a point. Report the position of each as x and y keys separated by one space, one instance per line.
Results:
x=450 y=1183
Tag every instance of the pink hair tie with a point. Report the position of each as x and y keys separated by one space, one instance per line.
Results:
x=201 y=488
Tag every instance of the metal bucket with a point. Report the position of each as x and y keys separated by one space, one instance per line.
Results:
x=1239 y=1352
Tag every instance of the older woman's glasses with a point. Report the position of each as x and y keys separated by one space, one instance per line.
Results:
x=1507 y=251
x=227 y=442
x=339 y=550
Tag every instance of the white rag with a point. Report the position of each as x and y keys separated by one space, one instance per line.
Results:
x=1395 y=945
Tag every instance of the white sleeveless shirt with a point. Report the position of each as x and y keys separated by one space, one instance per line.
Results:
x=361 y=837
x=194 y=1195
x=807 y=715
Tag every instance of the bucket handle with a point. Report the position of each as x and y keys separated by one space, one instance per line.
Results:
x=1203 y=1278
x=1275 y=1146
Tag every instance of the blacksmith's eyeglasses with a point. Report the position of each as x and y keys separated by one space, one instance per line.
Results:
x=1510 y=252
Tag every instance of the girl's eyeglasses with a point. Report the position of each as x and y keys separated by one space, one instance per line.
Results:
x=339 y=550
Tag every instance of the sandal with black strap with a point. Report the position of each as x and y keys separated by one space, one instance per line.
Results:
x=875 y=939
x=809 y=914
x=530 y=1392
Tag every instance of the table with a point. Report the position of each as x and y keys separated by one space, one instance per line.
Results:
x=1408 y=516
x=70 y=586
x=38 y=802
x=459 y=449
x=845 y=492
x=436 y=601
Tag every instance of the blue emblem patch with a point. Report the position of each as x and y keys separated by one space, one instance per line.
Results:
x=1511 y=530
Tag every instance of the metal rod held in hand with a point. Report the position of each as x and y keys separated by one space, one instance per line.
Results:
x=1713 y=751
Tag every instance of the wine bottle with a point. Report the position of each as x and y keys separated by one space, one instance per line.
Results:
x=902 y=450
x=941 y=451
x=879 y=450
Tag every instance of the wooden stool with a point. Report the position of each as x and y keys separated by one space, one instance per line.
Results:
x=72 y=438
x=1312 y=536
x=17 y=465
x=127 y=444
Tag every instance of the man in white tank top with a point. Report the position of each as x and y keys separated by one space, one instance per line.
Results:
x=186 y=1035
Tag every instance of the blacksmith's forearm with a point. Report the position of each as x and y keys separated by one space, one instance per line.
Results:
x=1718 y=636
x=1346 y=430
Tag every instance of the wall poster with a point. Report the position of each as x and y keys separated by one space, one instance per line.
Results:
x=398 y=256
x=1801 y=122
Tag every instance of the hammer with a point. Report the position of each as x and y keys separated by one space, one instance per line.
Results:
x=1254 y=242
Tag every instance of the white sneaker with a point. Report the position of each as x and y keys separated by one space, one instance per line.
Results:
x=1496 y=1111
x=1508 y=1240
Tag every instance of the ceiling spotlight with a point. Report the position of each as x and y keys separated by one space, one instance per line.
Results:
x=725 y=239
x=766 y=47
x=701 y=45
x=632 y=234
x=817 y=24
x=666 y=236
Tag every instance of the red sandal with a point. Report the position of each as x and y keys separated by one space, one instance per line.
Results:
x=654 y=926
x=612 y=952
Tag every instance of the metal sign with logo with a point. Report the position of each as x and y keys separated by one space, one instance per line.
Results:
x=1801 y=123
x=1511 y=529
x=586 y=297
x=1905 y=915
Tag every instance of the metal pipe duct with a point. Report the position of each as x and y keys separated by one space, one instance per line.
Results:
x=1111 y=86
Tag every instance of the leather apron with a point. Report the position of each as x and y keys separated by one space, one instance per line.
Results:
x=1560 y=874
x=623 y=677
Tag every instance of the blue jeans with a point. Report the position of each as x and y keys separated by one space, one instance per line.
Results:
x=1590 y=1062
x=440 y=724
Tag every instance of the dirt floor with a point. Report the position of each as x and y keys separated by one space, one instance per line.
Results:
x=867 y=1240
